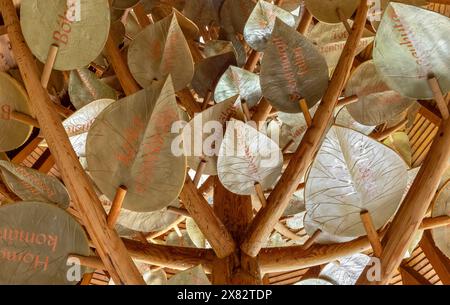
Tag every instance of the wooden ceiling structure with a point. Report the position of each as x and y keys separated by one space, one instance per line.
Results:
x=235 y=234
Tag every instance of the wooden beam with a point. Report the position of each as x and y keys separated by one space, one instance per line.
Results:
x=278 y=200
x=109 y=246
x=440 y=263
x=282 y=259
x=414 y=206
x=210 y=225
x=236 y=213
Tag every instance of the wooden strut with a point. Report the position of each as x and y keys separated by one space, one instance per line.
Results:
x=246 y=111
x=206 y=100
x=109 y=245
x=116 y=206
x=211 y=226
x=344 y=20
x=49 y=63
x=371 y=233
x=438 y=96
x=311 y=240
x=199 y=172
x=141 y=16
x=305 y=111
x=278 y=200
x=407 y=220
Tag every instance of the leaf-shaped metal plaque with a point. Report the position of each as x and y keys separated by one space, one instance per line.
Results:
x=312 y=226
x=31 y=185
x=292 y=68
x=237 y=81
x=247 y=156
x=259 y=26
x=192 y=276
x=155 y=277
x=78 y=124
x=313 y=282
x=146 y=222
x=12 y=98
x=346 y=270
x=209 y=70
x=344 y=119
x=399 y=142
x=441 y=236
x=331 y=39
x=159 y=50
x=173 y=239
x=407 y=50
x=202 y=12
x=377 y=103
x=350 y=174
x=130 y=144
x=35 y=242
x=202 y=136
x=234 y=14
x=80 y=31
x=377 y=10
x=327 y=10
x=217 y=47
x=195 y=233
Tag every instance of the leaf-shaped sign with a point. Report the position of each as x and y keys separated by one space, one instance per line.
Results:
x=173 y=239
x=343 y=118
x=331 y=39
x=202 y=136
x=159 y=50
x=12 y=98
x=441 y=236
x=259 y=26
x=79 y=123
x=247 y=156
x=350 y=174
x=327 y=10
x=346 y=270
x=79 y=27
x=376 y=11
x=202 y=12
x=217 y=47
x=31 y=185
x=377 y=103
x=195 y=233
x=399 y=142
x=312 y=226
x=146 y=222
x=155 y=277
x=313 y=282
x=35 y=242
x=209 y=70
x=192 y=276
x=130 y=144
x=237 y=81
x=234 y=14
x=292 y=68
x=407 y=50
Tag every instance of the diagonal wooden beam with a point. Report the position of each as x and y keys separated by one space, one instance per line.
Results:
x=211 y=226
x=278 y=200
x=414 y=206
x=440 y=263
x=109 y=245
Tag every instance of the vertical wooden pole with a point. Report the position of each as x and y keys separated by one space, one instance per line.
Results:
x=109 y=245
x=236 y=213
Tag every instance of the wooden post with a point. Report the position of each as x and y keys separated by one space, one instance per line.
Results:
x=412 y=277
x=141 y=16
x=344 y=20
x=129 y=85
x=347 y=101
x=305 y=22
x=49 y=63
x=312 y=239
x=438 y=96
x=278 y=200
x=305 y=111
x=435 y=222
x=211 y=226
x=109 y=246
x=414 y=206
x=116 y=206
x=24 y=118
x=199 y=172
x=206 y=100
x=371 y=233
x=236 y=213
x=252 y=61
x=380 y=136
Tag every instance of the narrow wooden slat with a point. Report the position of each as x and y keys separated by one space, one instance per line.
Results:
x=440 y=263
